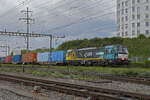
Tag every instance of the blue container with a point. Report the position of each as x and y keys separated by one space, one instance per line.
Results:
x=2 y=59
x=17 y=59
x=59 y=56
x=43 y=57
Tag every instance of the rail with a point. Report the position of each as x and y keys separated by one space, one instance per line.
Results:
x=95 y=93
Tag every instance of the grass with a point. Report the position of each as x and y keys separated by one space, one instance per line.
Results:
x=107 y=70
x=57 y=75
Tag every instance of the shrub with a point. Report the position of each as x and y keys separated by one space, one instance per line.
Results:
x=72 y=76
x=147 y=63
x=57 y=75
x=139 y=64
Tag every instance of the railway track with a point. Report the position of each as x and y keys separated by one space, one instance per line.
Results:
x=137 y=80
x=95 y=93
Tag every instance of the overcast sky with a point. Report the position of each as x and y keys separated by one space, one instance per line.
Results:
x=76 y=19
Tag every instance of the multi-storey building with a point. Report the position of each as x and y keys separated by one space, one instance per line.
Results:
x=133 y=18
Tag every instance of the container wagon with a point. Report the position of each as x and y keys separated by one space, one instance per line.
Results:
x=8 y=59
x=59 y=57
x=17 y=59
x=43 y=58
x=29 y=58
x=2 y=60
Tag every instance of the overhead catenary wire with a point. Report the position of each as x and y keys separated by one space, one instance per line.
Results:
x=25 y=2
x=69 y=16
x=85 y=17
x=70 y=8
x=101 y=0
x=53 y=9
x=65 y=26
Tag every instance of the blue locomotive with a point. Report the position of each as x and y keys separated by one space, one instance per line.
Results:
x=107 y=55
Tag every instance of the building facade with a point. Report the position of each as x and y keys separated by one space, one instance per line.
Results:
x=133 y=18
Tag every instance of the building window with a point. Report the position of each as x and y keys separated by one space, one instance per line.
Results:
x=122 y=34
x=147 y=0
x=126 y=33
x=146 y=23
x=133 y=17
x=126 y=3
x=147 y=8
x=146 y=15
x=138 y=1
x=126 y=10
x=138 y=16
x=126 y=26
x=138 y=24
x=133 y=33
x=122 y=27
x=119 y=6
x=133 y=9
x=126 y=18
x=122 y=4
x=122 y=19
x=133 y=25
x=147 y=32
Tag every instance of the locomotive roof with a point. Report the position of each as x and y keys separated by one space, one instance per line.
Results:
x=87 y=48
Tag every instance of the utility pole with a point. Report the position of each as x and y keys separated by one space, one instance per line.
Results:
x=27 y=20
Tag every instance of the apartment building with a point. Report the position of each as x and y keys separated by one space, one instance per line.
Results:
x=133 y=18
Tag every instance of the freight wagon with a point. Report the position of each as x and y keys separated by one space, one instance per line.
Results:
x=58 y=57
x=43 y=58
x=2 y=59
x=17 y=59
x=29 y=58
x=8 y=59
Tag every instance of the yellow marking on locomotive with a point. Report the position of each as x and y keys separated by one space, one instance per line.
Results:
x=72 y=56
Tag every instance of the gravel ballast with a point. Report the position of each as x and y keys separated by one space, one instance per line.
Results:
x=9 y=95
x=123 y=86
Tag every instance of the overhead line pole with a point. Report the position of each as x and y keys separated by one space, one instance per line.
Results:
x=28 y=30
x=51 y=39
x=27 y=19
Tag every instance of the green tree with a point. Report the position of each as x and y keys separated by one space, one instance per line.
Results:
x=141 y=36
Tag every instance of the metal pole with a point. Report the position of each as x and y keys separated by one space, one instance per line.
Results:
x=51 y=37
x=8 y=50
x=27 y=52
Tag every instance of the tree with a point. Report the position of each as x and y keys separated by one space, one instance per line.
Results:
x=141 y=36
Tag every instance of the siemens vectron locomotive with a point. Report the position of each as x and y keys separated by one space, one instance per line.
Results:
x=107 y=55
